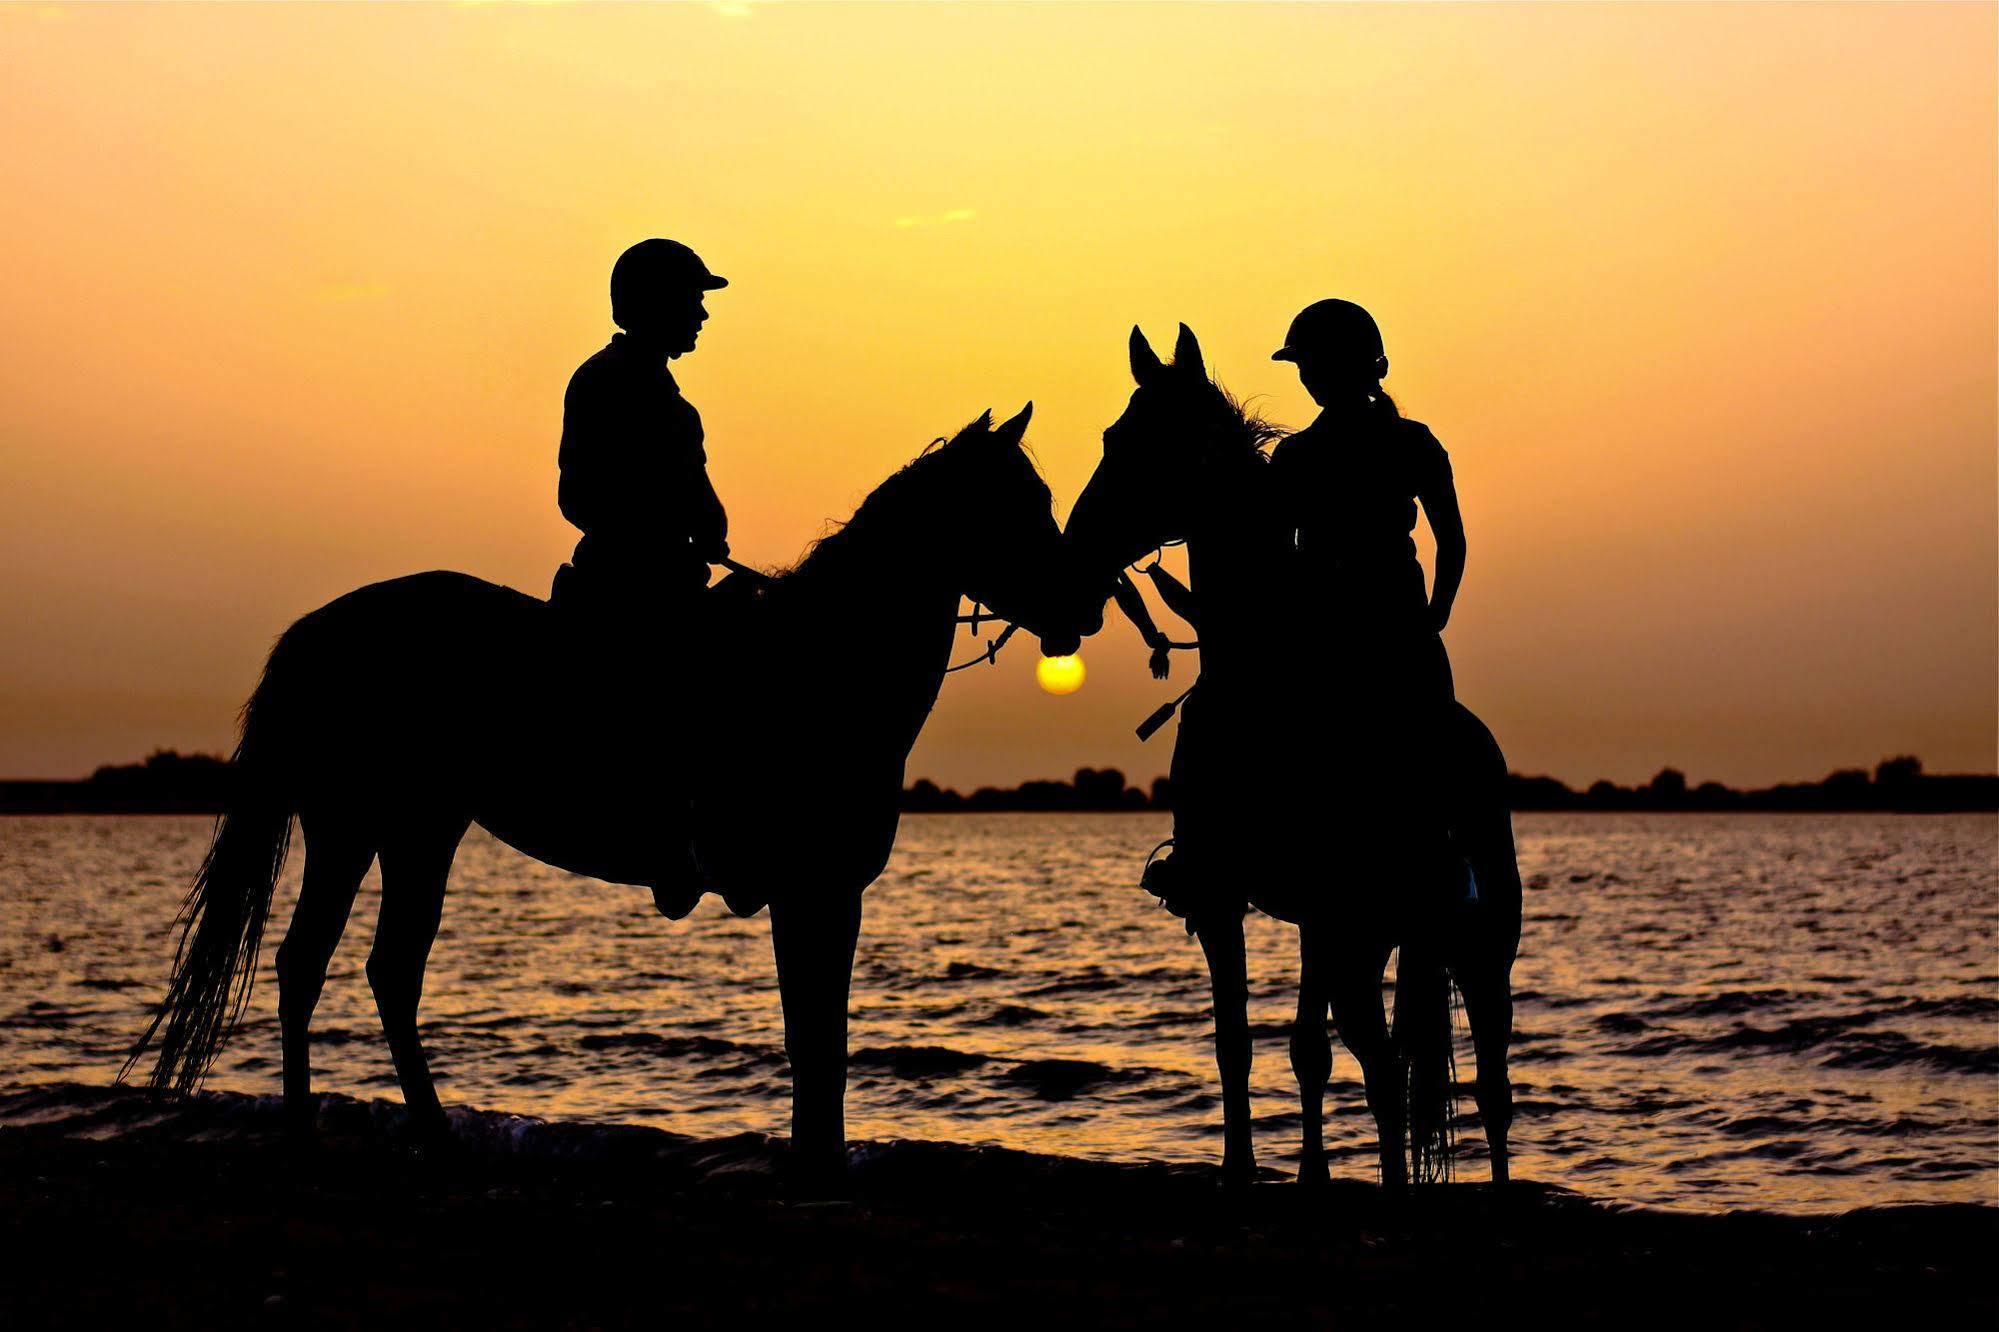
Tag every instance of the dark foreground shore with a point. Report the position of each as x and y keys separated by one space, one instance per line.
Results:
x=122 y=1212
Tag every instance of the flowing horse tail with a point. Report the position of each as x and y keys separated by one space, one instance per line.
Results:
x=1423 y=1006
x=222 y=918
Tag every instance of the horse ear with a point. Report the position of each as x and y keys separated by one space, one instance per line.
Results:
x=1187 y=353
x=1144 y=361
x=1010 y=431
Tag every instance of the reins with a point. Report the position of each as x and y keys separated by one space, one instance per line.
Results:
x=1132 y=603
x=1161 y=645
x=980 y=615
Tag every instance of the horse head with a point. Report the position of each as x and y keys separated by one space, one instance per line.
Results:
x=999 y=537
x=1163 y=458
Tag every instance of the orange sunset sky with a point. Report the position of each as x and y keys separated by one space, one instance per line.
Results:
x=1701 y=298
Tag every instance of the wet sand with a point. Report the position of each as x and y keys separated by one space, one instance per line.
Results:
x=118 y=1211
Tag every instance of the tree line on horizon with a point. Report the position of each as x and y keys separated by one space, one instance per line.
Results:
x=1896 y=784
x=172 y=783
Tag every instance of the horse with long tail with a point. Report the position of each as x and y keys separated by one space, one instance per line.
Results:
x=1184 y=462
x=391 y=719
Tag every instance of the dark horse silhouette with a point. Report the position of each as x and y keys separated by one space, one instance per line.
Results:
x=392 y=718
x=1178 y=465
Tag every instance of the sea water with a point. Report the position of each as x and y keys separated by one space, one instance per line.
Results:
x=1791 y=1012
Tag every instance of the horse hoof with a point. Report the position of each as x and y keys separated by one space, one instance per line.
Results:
x=676 y=903
x=429 y=1137
x=1314 y=1177
x=818 y=1177
x=301 y=1121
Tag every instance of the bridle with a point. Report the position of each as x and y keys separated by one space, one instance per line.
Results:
x=980 y=615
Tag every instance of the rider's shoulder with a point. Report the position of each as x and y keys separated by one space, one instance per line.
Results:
x=1416 y=435
x=1422 y=452
x=606 y=365
x=1299 y=442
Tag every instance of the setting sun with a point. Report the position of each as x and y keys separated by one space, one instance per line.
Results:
x=1059 y=675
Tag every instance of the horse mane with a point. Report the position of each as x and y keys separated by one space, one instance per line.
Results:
x=1257 y=431
x=828 y=550
x=1242 y=425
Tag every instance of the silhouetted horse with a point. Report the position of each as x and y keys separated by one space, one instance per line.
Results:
x=391 y=719
x=1184 y=462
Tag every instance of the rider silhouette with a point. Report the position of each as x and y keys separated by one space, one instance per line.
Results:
x=634 y=473
x=1347 y=489
x=635 y=483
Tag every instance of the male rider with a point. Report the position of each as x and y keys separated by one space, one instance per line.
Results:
x=635 y=482
x=634 y=474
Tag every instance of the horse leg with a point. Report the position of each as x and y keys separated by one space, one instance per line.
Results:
x=336 y=859
x=1311 y=1054
x=415 y=867
x=813 y=940
x=1488 y=939
x=1228 y=974
x=1357 y=1011
x=1488 y=991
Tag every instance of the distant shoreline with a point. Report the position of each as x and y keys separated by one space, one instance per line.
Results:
x=171 y=783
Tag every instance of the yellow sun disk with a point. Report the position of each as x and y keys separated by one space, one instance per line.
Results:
x=1059 y=675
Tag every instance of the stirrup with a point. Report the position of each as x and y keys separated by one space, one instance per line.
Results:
x=1167 y=879
x=1159 y=873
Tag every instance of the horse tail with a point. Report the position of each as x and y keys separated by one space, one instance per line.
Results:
x=1423 y=1007
x=222 y=918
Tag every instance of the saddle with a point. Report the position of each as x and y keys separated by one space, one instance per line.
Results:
x=605 y=780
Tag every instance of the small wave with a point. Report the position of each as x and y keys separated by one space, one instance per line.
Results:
x=676 y=1047
x=1059 y=1079
x=1078 y=985
x=1854 y=1046
x=1622 y=1024
x=1011 y=1015
x=1888 y=1049
x=1732 y=1003
x=916 y=1061
x=1960 y=1006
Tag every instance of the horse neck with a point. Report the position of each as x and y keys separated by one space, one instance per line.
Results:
x=880 y=621
x=1227 y=538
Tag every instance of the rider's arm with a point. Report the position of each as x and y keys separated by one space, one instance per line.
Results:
x=1179 y=598
x=1439 y=497
x=593 y=493
x=708 y=521
x=1132 y=603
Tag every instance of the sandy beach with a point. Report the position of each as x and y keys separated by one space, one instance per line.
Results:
x=118 y=1209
